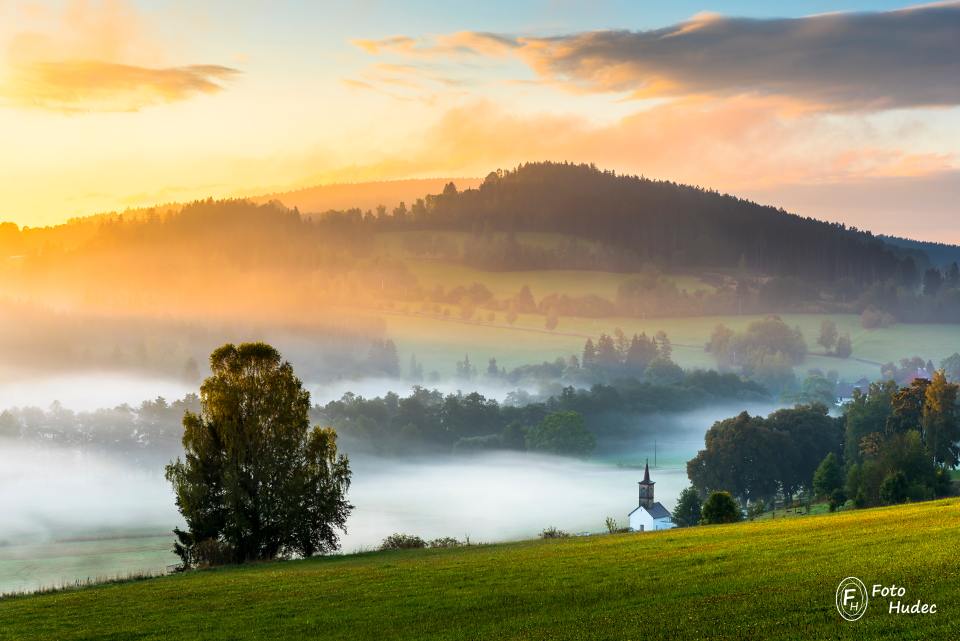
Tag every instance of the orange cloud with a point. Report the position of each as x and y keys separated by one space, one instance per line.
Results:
x=731 y=144
x=104 y=86
x=469 y=43
x=98 y=57
x=401 y=44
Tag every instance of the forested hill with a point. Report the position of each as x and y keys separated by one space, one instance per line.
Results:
x=663 y=222
x=604 y=221
x=940 y=255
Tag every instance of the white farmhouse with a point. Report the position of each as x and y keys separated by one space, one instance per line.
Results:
x=650 y=515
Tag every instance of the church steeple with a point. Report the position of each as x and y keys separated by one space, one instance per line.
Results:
x=646 y=487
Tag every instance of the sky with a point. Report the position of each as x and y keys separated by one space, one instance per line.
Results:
x=847 y=111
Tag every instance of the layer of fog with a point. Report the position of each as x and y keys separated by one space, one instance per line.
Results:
x=495 y=496
x=672 y=438
x=322 y=393
x=61 y=494
x=54 y=494
x=53 y=497
x=87 y=391
x=57 y=492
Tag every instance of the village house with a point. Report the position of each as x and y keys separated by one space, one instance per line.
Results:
x=649 y=515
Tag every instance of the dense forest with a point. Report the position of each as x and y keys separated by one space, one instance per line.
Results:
x=940 y=255
x=662 y=222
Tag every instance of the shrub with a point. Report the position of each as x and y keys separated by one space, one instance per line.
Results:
x=720 y=508
x=943 y=484
x=894 y=488
x=844 y=347
x=399 y=541
x=469 y=444
x=210 y=553
x=553 y=533
x=873 y=319
x=447 y=542
x=837 y=499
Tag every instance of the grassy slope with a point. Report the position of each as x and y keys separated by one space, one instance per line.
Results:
x=571 y=282
x=770 y=579
x=503 y=284
x=440 y=343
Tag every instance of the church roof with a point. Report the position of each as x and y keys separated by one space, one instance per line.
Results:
x=656 y=511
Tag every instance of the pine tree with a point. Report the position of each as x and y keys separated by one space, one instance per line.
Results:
x=589 y=354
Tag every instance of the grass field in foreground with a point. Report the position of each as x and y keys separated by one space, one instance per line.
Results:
x=762 y=580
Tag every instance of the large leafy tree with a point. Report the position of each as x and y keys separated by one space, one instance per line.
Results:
x=562 y=433
x=741 y=456
x=687 y=510
x=828 y=334
x=866 y=414
x=256 y=481
x=907 y=407
x=811 y=434
x=940 y=420
x=754 y=457
x=829 y=477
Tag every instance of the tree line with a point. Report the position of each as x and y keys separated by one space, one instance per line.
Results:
x=891 y=444
x=427 y=421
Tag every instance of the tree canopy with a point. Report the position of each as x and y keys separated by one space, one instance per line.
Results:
x=256 y=481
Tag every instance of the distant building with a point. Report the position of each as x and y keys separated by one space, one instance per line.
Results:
x=845 y=390
x=650 y=515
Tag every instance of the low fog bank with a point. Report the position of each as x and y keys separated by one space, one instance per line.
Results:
x=53 y=495
x=66 y=491
x=497 y=496
x=92 y=390
x=323 y=393
x=89 y=391
x=55 y=499
x=63 y=493
x=672 y=438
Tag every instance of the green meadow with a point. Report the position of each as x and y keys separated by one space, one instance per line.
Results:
x=572 y=282
x=770 y=579
x=440 y=342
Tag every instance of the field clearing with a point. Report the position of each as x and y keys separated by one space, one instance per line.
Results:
x=394 y=241
x=772 y=579
x=541 y=282
x=440 y=343
x=572 y=282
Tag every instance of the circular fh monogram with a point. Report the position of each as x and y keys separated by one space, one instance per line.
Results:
x=851 y=598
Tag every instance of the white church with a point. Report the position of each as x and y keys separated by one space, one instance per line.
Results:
x=650 y=515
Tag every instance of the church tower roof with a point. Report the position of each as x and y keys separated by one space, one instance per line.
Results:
x=646 y=488
x=646 y=474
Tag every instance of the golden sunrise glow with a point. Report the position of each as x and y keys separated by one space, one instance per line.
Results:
x=110 y=105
